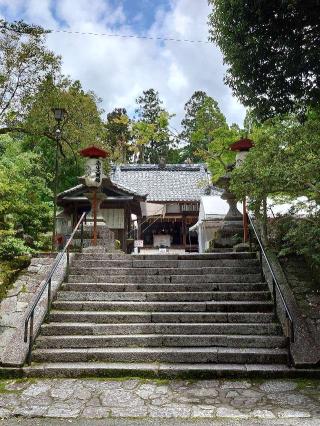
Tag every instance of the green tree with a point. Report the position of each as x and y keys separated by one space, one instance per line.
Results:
x=202 y=116
x=25 y=63
x=272 y=52
x=283 y=165
x=284 y=161
x=150 y=111
x=82 y=126
x=25 y=198
x=119 y=134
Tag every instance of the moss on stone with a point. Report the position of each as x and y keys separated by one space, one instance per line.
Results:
x=9 y=271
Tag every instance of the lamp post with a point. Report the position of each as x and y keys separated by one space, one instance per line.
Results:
x=59 y=114
x=242 y=147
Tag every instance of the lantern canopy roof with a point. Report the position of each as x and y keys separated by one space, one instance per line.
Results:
x=94 y=152
x=243 y=144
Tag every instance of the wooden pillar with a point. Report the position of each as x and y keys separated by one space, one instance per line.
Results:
x=139 y=228
x=125 y=229
x=184 y=233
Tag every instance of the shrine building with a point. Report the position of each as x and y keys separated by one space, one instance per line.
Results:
x=156 y=203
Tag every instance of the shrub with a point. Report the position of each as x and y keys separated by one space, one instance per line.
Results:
x=300 y=236
x=11 y=247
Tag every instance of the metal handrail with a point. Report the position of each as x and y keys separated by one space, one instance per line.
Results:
x=29 y=319
x=275 y=284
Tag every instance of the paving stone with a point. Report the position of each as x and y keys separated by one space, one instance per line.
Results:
x=94 y=402
x=293 y=414
x=129 y=411
x=263 y=414
x=250 y=393
x=231 y=412
x=17 y=386
x=171 y=410
x=121 y=398
x=63 y=410
x=278 y=386
x=204 y=411
x=203 y=392
x=61 y=392
x=232 y=394
x=30 y=411
x=36 y=389
x=289 y=399
x=235 y=385
x=95 y=412
x=82 y=394
x=162 y=400
x=76 y=398
x=145 y=391
x=4 y=414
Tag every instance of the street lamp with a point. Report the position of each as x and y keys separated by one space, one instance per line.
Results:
x=59 y=114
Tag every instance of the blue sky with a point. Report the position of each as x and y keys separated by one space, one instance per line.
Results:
x=119 y=69
x=142 y=13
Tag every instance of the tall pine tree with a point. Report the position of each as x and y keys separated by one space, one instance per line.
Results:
x=151 y=112
x=202 y=115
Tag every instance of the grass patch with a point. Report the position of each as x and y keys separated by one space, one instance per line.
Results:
x=306 y=383
x=4 y=383
x=142 y=380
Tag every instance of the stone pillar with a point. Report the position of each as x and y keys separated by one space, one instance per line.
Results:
x=231 y=232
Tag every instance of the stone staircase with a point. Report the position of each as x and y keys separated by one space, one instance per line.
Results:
x=165 y=315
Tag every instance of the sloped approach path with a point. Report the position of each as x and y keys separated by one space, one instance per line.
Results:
x=162 y=315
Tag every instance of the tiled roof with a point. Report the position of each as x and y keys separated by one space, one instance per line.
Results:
x=173 y=182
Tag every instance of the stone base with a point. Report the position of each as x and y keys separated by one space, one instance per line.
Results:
x=230 y=234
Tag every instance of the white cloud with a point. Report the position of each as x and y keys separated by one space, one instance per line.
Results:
x=119 y=69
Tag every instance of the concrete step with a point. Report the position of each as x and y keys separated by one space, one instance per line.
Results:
x=97 y=271
x=164 y=296
x=158 y=317
x=230 y=306
x=89 y=263
x=131 y=287
x=172 y=355
x=163 y=279
x=166 y=371
x=163 y=340
x=69 y=328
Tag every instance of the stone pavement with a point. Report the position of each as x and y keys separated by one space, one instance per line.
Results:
x=203 y=402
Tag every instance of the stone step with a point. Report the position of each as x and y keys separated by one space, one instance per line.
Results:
x=69 y=328
x=172 y=355
x=98 y=271
x=89 y=263
x=158 y=317
x=230 y=306
x=182 y=279
x=157 y=257
x=166 y=371
x=196 y=256
x=156 y=340
x=164 y=296
x=130 y=287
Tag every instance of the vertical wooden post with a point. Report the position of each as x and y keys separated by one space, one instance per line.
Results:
x=125 y=230
x=245 y=221
x=184 y=233
x=139 y=228
x=95 y=217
